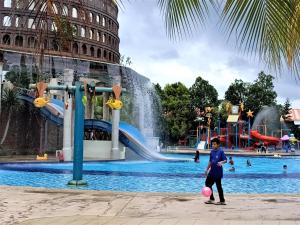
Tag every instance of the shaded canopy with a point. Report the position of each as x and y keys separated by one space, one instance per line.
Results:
x=285 y=138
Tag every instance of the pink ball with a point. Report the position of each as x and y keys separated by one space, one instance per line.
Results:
x=206 y=191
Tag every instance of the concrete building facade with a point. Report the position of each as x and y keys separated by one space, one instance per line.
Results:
x=82 y=29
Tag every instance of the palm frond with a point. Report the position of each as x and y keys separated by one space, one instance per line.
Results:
x=10 y=99
x=269 y=29
x=183 y=16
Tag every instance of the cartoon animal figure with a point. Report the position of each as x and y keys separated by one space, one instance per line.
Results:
x=41 y=102
x=114 y=104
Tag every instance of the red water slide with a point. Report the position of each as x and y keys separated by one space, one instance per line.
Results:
x=268 y=139
x=222 y=138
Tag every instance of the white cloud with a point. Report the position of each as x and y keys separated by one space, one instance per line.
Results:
x=206 y=54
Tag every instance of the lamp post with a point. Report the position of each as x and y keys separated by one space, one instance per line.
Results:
x=208 y=115
x=219 y=120
x=249 y=115
x=199 y=120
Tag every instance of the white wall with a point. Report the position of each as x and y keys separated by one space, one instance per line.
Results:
x=98 y=150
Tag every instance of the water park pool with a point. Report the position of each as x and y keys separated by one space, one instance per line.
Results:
x=266 y=175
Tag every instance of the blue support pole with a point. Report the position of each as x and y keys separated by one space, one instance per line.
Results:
x=78 y=138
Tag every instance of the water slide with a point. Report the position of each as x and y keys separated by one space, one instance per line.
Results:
x=264 y=138
x=201 y=145
x=53 y=111
x=222 y=138
x=129 y=136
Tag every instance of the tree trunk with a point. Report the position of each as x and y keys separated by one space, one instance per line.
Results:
x=6 y=127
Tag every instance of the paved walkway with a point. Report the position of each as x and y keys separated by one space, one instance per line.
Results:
x=99 y=220
x=39 y=206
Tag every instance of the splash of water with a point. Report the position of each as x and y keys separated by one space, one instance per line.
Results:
x=143 y=95
x=267 y=121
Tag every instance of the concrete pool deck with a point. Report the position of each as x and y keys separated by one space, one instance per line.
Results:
x=41 y=206
x=240 y=152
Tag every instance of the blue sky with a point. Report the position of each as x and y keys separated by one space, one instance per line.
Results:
x=206 y=54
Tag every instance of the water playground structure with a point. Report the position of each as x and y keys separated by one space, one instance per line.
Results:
x=138 y=109
x=238 y=133
x=126 y=140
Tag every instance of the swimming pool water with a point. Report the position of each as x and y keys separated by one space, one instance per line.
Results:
x=266 y=175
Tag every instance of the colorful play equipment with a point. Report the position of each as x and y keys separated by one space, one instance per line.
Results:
x=115 y=103
x=41 y=102
x=77 y=90
x=238 y=133
x=42 y=158
x=268 y=140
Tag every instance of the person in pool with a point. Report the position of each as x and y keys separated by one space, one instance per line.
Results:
x=231 y=163
x=60 y=156
x=197 y=157
x=248 y=162
x=284 y=168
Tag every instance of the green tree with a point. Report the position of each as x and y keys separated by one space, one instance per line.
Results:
x=286 y=109
x=10 y=103
x=160 y=122
x=203 y=94
x=237 y=92
x=175 y=105
x=223 y=114
x=285 y=115
x=159 y=90
x=18 y=78
x=98 y=107
x=268 y=29
x=261 y=93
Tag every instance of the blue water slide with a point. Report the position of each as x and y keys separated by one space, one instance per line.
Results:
x=129 y=135
x=46 y=111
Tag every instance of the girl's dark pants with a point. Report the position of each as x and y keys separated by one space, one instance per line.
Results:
x=210 y=182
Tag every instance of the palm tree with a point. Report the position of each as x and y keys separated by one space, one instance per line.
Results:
x=267 y=29
x=61 y=26
x=10 y=103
